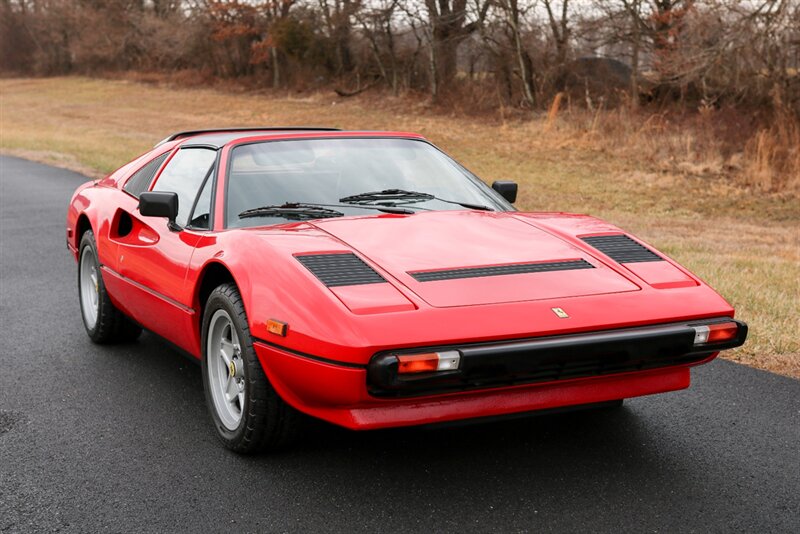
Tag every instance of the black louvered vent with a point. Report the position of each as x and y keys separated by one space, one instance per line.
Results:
x=519 y=268
x=622 y=248
x=340 y=269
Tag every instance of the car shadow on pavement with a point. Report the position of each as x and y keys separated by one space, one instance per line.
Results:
x=634 y=454
x=586 y=432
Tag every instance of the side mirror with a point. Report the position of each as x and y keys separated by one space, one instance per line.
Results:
x=507 y=190
x=160 y=204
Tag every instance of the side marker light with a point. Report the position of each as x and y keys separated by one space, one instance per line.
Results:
x=277 y=327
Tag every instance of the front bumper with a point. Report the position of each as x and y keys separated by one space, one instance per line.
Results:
x=529 y=375
x=548 y=359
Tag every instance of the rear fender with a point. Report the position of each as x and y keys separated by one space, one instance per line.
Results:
x=96 y=205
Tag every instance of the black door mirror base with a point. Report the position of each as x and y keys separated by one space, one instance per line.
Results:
x=160 y=204
x=507 y=189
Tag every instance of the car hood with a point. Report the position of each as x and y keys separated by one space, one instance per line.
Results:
x=466 y=258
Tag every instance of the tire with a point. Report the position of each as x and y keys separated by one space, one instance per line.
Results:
x=104 y=323
x=247 y=413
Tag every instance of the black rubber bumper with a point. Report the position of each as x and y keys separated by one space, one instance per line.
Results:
x=549 y=359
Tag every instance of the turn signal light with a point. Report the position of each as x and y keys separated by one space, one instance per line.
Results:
x=276 y=327
x=715 y=333
x=428 y=362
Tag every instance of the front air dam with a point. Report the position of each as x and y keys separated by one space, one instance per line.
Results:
x=338 y=393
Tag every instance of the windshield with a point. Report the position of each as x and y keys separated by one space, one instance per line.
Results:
x=336 y=173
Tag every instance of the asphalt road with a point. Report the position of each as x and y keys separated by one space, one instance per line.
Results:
x=117 y=438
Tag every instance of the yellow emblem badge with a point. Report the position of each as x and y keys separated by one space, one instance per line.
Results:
x=560 y=313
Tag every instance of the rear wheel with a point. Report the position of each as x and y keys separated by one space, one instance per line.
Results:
x=104 y=323
x=247 y=413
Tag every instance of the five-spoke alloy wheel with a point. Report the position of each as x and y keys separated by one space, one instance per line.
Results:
x=226 y=375
x=89 y=286
x=247 y=413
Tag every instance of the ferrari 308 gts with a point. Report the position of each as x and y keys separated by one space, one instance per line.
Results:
x=369 y=280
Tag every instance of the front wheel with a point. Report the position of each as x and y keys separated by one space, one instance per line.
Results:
x=247 y=413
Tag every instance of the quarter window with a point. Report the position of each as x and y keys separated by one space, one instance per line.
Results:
x=140 y=181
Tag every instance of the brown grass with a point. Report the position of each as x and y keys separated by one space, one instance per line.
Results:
x=773 y=156
x=665 y=182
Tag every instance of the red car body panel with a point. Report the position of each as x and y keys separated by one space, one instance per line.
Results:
x=337 y=394
x=154 y=275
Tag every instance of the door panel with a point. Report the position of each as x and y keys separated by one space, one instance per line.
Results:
x=129 y=229
x=165 y=317
x=152 y=263
x=149 y=274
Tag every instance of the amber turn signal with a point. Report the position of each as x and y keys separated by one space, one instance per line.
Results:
x=277 y=327
x=428 y=362
x=715 y=333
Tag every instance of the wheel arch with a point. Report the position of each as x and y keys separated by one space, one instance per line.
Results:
x=80 y=215
x=81 y=227
x=213 y=275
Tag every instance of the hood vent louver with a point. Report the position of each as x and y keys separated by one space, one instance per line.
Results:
x=498 y=270
x=340 y=269
x=622 y=249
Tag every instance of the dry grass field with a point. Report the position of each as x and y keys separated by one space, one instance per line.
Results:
x=650 y=181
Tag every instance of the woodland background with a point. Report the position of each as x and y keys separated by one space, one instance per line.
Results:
x=678 y=120
x=727 y=70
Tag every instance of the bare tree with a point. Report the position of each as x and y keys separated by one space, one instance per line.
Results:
x=377 y=25
x=704 y=52
x=450 y=23
x=514 y=13
x=338 y=15
x=559 y=26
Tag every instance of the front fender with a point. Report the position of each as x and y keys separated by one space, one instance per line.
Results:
x=274 y=285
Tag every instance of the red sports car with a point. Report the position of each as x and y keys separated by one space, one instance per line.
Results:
x=367 y=279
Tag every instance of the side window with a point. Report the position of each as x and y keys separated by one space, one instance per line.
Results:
x=201 y=216
x=184 y=174
x=140 y=181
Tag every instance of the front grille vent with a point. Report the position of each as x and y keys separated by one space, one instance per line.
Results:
x=547 y=371
x=345 y=269
x=622 y=248
x=498 y=270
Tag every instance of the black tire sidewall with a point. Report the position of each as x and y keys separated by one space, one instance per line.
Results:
x=87 y=241
x=220 y=300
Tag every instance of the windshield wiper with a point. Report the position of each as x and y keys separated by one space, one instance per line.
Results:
x=376 y=207
x=387 y=197
x=292 y=210
x=388 y=194
x=312 y=210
